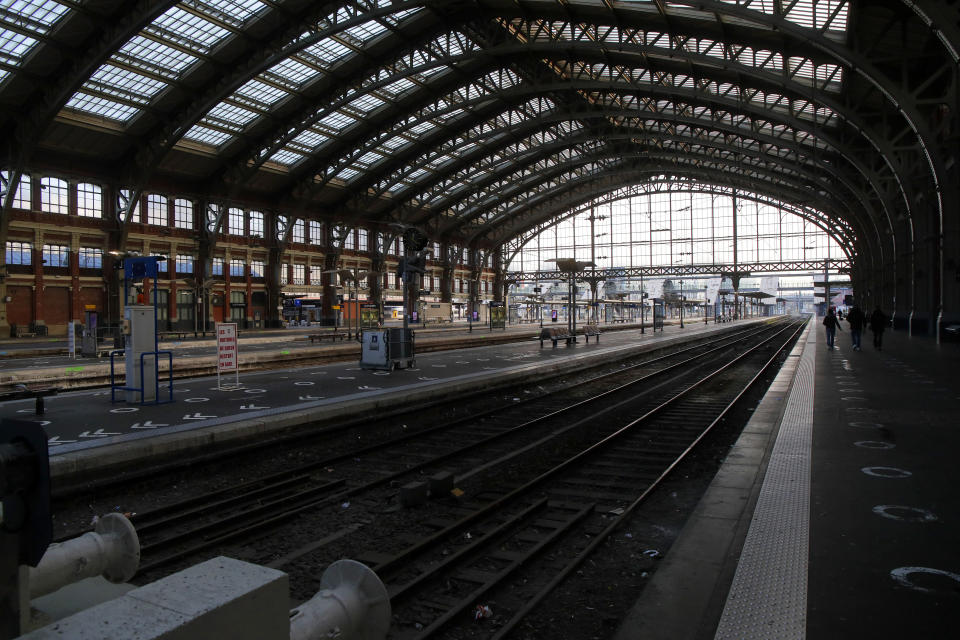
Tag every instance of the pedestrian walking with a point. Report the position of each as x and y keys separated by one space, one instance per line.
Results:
x=857 y=320
x=878 y=322
x=832 y=324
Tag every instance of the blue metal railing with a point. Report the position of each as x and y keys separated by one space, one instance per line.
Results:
x=114 y=387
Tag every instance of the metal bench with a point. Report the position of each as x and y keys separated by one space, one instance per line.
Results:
x=555 y=334
x=332 y=337
x=21 y=332
x=591 y=330
x=21 y=392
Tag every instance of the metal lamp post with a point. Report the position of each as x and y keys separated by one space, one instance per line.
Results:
x=681 y=303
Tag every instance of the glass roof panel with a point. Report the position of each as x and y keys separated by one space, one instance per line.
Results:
x=230 y=115
x=163 y=51
x=328 y=50
x=336 y=121
x=311 y=138
x=116 y=81
x=35 y=17
x=153 y=56
x=188 y=30
x=286 y=157
x=234 y=12
x=206 y=135
x=14 y=46
x=102 y=107
x=293 y=71
x=258 y=93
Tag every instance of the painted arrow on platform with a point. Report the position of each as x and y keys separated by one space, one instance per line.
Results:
x=55 y=440
x=252 y=406
x=368 y=388
x=425 y=378
x=312 y=397
x=99 y=433
x=148 y=425
x=197 y=416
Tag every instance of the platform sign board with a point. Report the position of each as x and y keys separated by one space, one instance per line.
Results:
x=498 y=316
x=71 y=339
x=369 y=316
x=227 y=353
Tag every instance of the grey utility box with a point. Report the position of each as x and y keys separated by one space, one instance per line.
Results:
x=373 y=350
x=387 y=349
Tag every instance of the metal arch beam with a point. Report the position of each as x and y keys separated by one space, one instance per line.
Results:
x=837 y=53
x=944 y=25
x=529 y=213
x=811 y=182
x=693 y=97
x=693 y=122
x=355 y=144
x=334 y=93
x=621 y=134
x=674 y=270
x=904 y=104
x=766 y=82
x=278 y=46
x=588 y=113
x=573 y=191
x=159 y=141
x=846 y=230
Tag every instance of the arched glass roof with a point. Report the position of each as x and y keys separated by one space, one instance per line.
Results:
x=474 y=120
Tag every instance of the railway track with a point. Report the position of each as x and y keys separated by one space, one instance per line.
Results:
x=526 y=542
x=185 y=530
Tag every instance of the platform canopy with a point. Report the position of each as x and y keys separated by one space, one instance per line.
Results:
x=476 y=120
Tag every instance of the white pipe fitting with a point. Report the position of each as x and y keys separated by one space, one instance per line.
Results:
x=112 y=550
x=352 y=604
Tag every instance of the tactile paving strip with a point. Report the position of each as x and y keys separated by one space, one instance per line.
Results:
x=768 y=598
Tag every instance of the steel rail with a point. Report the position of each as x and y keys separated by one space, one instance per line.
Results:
x=517 y=492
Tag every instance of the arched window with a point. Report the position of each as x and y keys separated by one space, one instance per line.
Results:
x=54 y=194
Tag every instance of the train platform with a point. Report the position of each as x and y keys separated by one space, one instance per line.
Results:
x=835 y=515
x=91 y=437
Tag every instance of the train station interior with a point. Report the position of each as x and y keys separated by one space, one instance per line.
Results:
x=479 y=318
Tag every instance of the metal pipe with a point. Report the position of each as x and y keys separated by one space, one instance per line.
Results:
x=111 y=550
x=352 y=604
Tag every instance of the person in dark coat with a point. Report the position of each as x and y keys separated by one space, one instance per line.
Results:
x=878 y=322
x=857 y=320
x=832 y=324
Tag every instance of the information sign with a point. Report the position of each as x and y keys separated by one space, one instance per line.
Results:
x=227 y=349
x=226 y=346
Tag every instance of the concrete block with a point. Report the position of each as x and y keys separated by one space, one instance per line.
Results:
x=441 y=484
x=413 y=494
x=220 y=598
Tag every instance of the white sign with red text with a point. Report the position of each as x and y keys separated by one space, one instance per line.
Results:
x=226 y=346
x=227 y=356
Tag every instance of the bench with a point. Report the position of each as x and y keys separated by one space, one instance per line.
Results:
x=21 y=332
x=591 y=330
x=21 y=392
x=332 y=337
x=555 y=334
